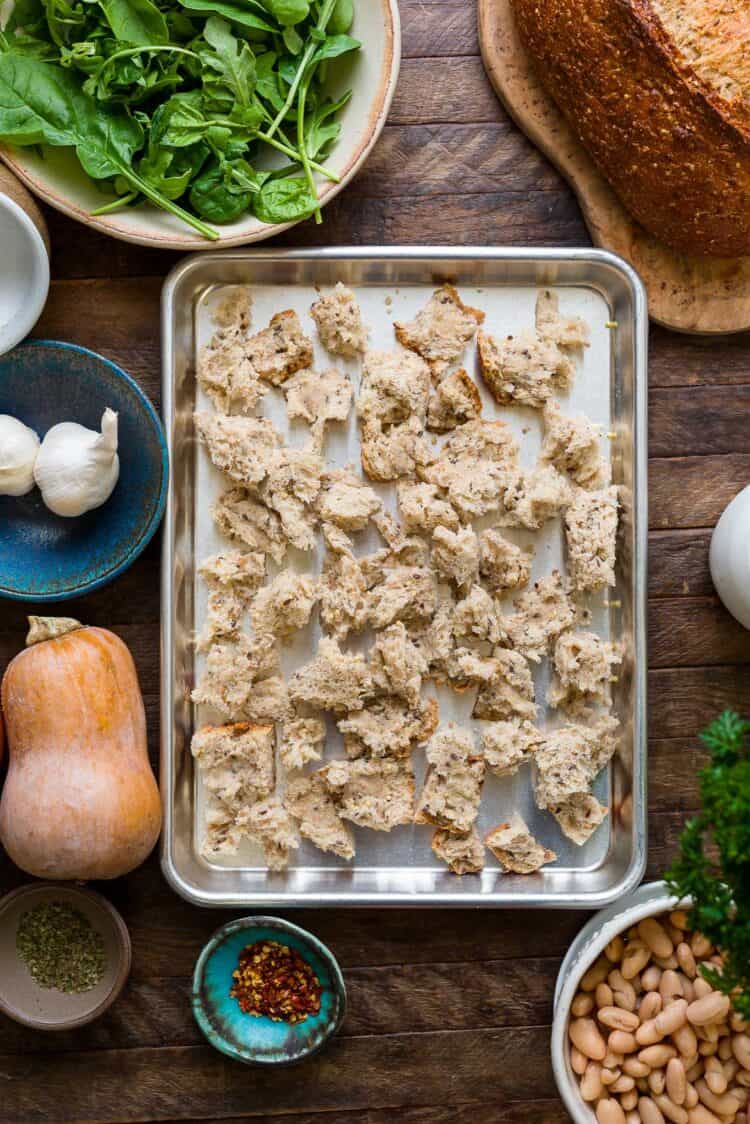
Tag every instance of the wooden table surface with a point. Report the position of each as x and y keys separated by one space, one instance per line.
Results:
x=449 y=1011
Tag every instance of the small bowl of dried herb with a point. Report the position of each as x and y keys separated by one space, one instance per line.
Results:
x=65 y=953
x=266 y=992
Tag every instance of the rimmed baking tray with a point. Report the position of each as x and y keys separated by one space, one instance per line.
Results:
x=392 y=283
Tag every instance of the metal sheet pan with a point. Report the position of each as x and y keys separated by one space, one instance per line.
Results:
x=399 y=869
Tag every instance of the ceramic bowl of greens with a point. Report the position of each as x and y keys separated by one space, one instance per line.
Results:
x=191 y=124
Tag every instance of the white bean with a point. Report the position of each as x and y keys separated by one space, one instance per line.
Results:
x=650 y=1111
x=709 y=1008
x=609 y=1112
x=585 y=1036
x=591 y=1082
x=676 y=1081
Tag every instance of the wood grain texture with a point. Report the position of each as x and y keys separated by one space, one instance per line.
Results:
x=449 y=1012
x=691 y=294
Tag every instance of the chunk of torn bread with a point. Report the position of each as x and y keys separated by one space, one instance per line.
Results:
x=281 y=349
x=388 y=727
x=343 y=595
x=403 y=593
x=222 y=835
x=474 y=467
x=523 y=370
x=453 y=784
x=319 y=398
x=395 y=387
x=228 y=377
x=569 y=759
x=233 y=313
x=333 y=680
x=590 y=537
x=455 y=555
x=565 y=331
x=232 y=577
x=579 y=816
x=392 y=452
x=441 y=330
x=230 y=671
x=456 y=400
x=573 y=445
x=583 y=664
x=462 y=853
x=476 y=617
x=397 y=665
x=268 y=823
x=268 y=700
x=284 y=606
x=243 y=448
x=542 y=614
x=310 y=802
x=535 y=497
x=339 y=320
x=244 y=519
x=502 y=563
x=346 y=501
x=236 y=761
x=290 y=489
x=378 y=794
x=422 y=508
x=510 y=692
x=302 y=741
x=516 y=849
x=509 y=745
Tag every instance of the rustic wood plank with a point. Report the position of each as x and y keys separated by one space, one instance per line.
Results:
x=694 y=631
x=692 y=491
x=678 y=564
x=438 y=28
x=146 y=1084
x=673 y=765
x=467 y=98
x=679 y=360
x=683 y=700
x=710 y=421
x=499 y=1112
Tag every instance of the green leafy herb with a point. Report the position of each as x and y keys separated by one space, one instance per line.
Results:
x=714 y=862
x=206 y=108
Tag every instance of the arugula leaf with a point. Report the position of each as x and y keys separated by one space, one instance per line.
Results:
x=138 y=22
x=229 y=68
x=233 y=10
x=289 y=12
x=284 y=201
x=342 y=17
x=321 y=132
x=334 y=46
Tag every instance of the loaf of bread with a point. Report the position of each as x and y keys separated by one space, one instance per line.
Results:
x=658 y=91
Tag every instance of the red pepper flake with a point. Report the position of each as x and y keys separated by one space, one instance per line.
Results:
x=273 y=979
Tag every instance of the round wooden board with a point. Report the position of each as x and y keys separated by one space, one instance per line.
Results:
x=705 y=295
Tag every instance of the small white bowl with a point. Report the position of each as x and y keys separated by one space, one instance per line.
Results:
x=647 y=901
x=729 y=557
x=24 y=274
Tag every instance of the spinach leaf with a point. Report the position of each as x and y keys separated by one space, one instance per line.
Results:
x=229 y=68
x=233 y=10
x=284 y=201
x=334 y=46
x=289 y=12
x=293 y=41
x=138 y=22
x=213 y=200
x=342 y=17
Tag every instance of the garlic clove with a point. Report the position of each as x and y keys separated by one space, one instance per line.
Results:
x=18 y=449
x=77 y=468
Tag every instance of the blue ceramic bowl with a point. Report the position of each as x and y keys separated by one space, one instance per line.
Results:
x=258 y=1040
x=44 y=557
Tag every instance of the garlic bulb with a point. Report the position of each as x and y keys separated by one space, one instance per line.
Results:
x=77 y=468
x=18 y=449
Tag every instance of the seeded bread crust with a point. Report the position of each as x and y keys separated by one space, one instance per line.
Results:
x=657 y=91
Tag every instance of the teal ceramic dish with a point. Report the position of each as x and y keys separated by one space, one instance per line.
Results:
x=247 y=1038
x=44 y=557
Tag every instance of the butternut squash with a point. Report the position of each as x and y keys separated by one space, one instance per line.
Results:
x=80 y=800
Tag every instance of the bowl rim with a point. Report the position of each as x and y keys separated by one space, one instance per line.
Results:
x=189 y=242
x=215 y=1038
x=153 y=524
x=647 y=900
x=27 y=315
x=124 y=943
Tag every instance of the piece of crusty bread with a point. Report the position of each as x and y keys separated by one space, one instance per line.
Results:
x=463 y=854
x=516 y=849
x=658 y=92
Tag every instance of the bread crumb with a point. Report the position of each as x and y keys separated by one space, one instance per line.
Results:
x=510 y=692
x=579 y=816
x=523 y=370
x=343 y=595
x=231 y=577
x=242 y=518
x=269 y=824
x=516 y=849
x=231 y=670
x=455 y=555
x=565 y=331
x=403 y=593
x=236 y=761
x=228 y=377
x=302 y=741
x=573 y=445
x=339 y=320
x=509 y=745
x=268 y=700
x=535 y=497
x=291 y=489
x=281 y=349
x=590 y=535
x=453 y=784
x=395 y=387
x=309 y=801
x=319 y=398
x=333 y=680
x=346 y=501
x=582 y=676
x=569 y=759
x=477 y=617
x=399 y=450
x=397 y=665
x=441 y=330
x=502 y=564
x=542 y=614
x=455 y=401
x=378 y=794
x=388 y=727
x=283 y=606
x=475 y=466
x=243 y=448
x=422 y=508
x=462 y=853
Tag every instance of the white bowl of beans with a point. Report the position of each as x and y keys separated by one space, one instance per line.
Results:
x=639 y=1036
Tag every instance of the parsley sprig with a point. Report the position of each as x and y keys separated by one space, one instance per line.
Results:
x=714 y=862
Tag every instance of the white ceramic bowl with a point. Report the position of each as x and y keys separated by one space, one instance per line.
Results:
x=648 y=900
x=57 y=177
x=24 y=274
